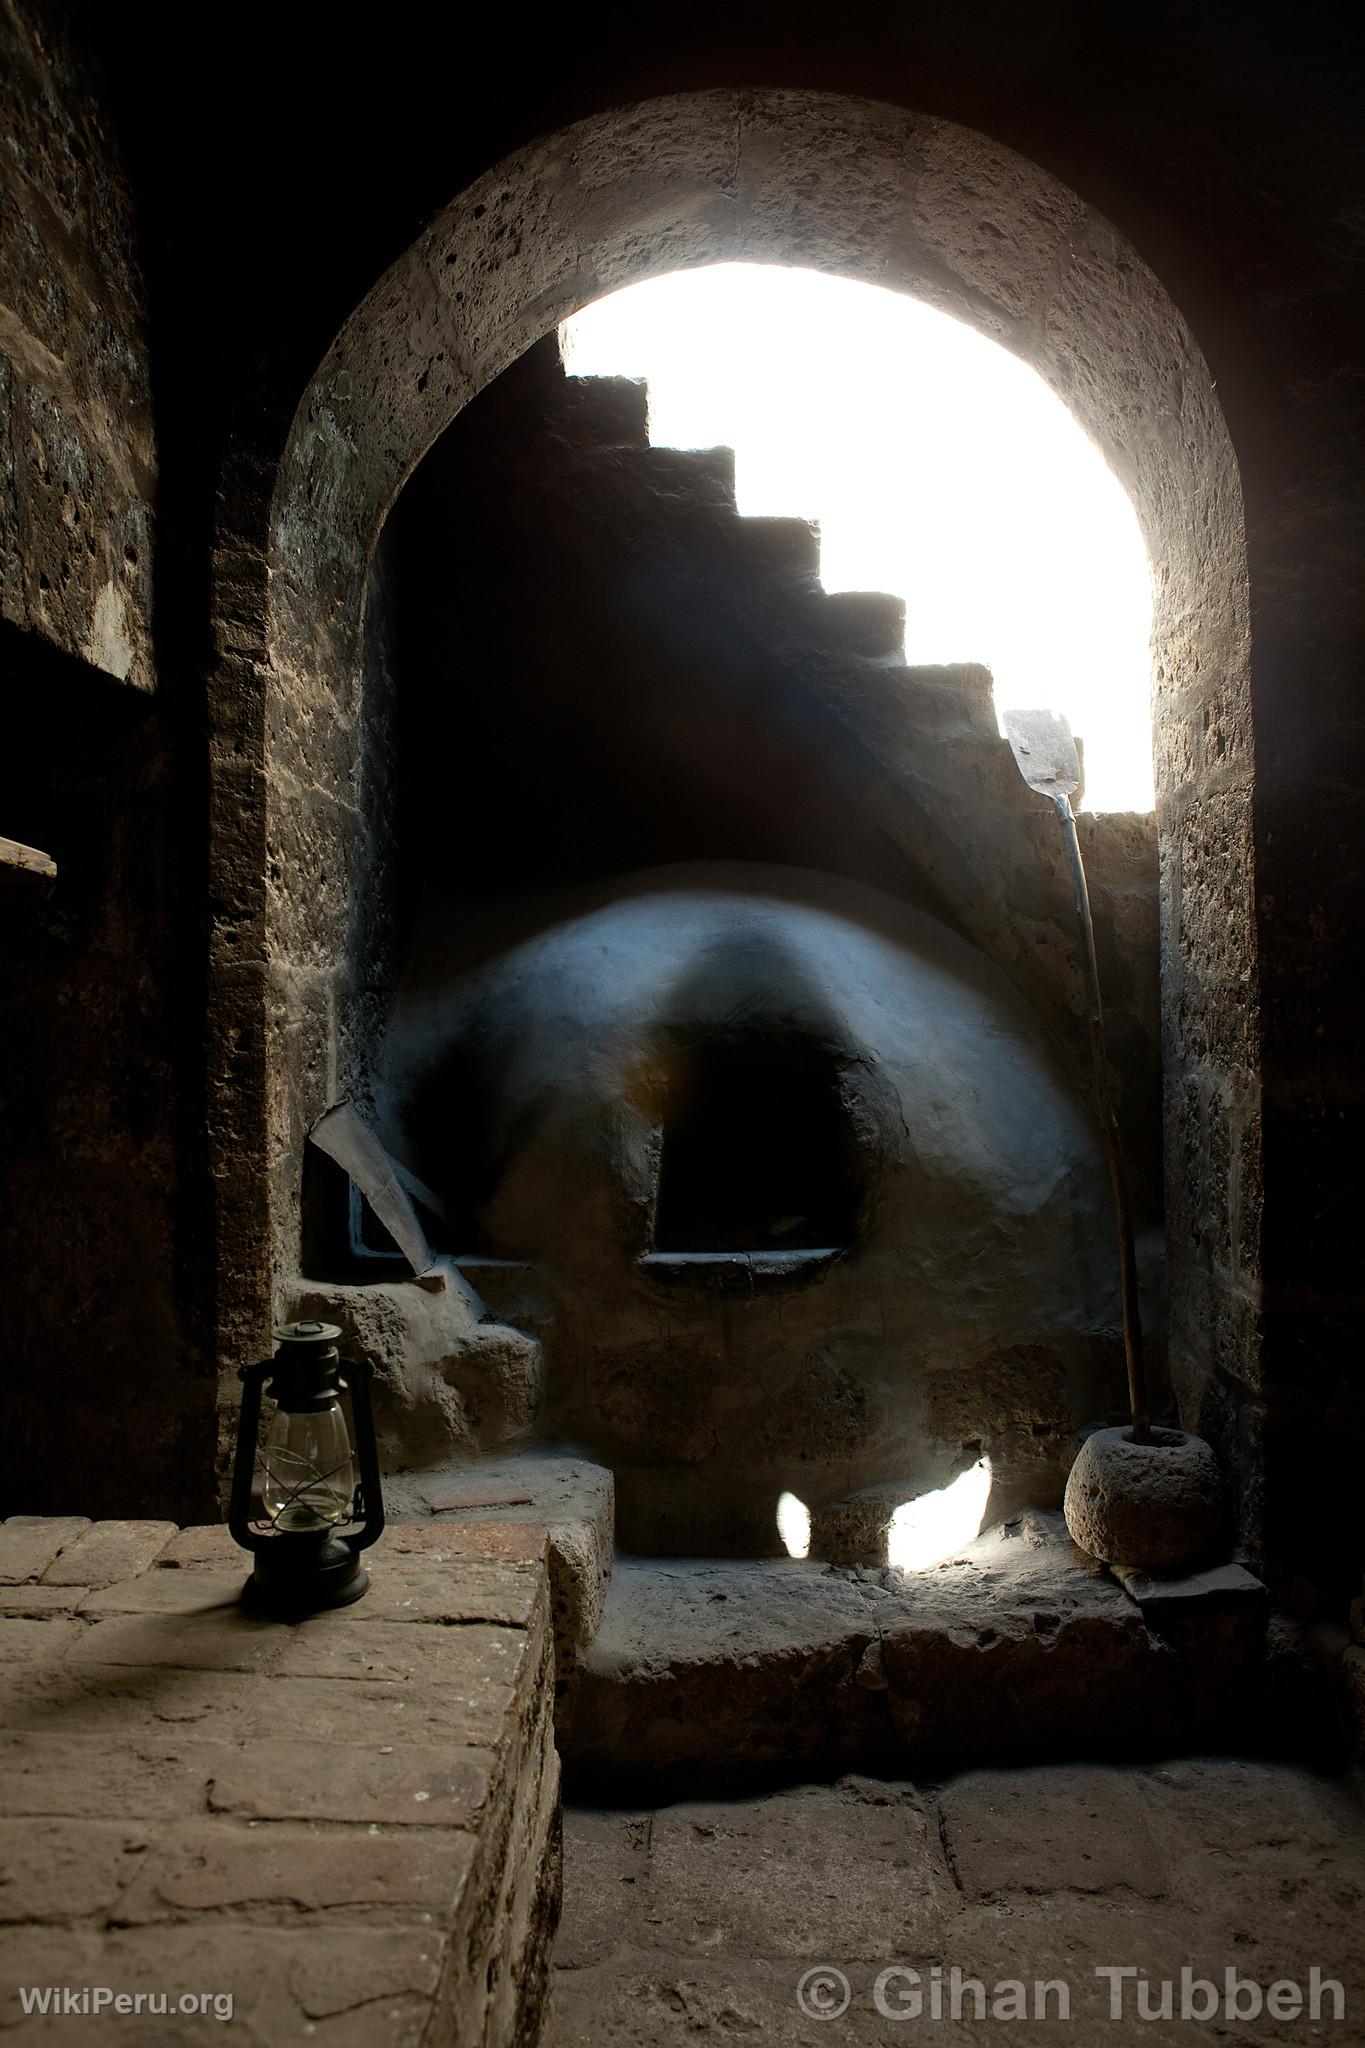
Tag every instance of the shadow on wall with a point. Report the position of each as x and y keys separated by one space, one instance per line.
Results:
x=867 y=1258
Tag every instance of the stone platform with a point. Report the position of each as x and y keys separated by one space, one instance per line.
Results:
x=347 y=1825
x=1020 y=1649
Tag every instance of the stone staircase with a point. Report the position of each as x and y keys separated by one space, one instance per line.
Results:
x=598 y=428
x=767 y=691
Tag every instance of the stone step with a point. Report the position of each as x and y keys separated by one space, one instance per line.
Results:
x=870 y=623
x=669 y=481
x=956 y=700
x=781 y=547
x=696 y=477
x=706 y=1666
x=604 y=412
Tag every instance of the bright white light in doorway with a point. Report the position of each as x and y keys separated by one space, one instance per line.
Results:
x=793 y=1525
x=939 y=466
x=936 y=1526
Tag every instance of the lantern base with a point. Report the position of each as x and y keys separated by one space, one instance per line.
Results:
x=290 y=1581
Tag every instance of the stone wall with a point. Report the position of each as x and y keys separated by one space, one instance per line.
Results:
x=1308 y=559
x=77 y=468
x=106 y=1397
x=104 y=1393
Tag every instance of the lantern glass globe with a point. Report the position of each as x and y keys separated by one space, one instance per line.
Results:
x=308 y=1475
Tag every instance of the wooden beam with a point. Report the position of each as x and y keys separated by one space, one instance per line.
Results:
x=27 y=858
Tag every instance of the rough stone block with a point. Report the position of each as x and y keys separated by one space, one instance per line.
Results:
x=700 y=478
x=276 y=1870
x=710 y=1664
x=1078 y=1829
x=605 y=1868
x=1056 y=1635
x=808 y=1873
x=219 y=1640
x=40 y=1601
x=454 y=1590
x=445 y=1383
x=576 y=1501
x=867 y=623
x=470 y=1658
x=209 y=1546
x=660 y=2000
x=122 y=1702
x=107 y=1552
x=63 y=1870
x=35 y=1640
x=784 y=547
x=719 y=1664
x=371 y=1987
x=42 y=1955
x=853 y=1531
x=497 y=1542
x=386 y=1783
x=360 y=1712
x=360 y=1973
x=993 y=219
x=158 y=1592
x=1212 y=1814
x=605 y=412
x=46 y=1772
x=30 y=1543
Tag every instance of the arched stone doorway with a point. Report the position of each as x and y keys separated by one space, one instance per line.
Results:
x=873 y=192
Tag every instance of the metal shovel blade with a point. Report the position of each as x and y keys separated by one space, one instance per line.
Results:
x=1044 y=751
x=345 y=1137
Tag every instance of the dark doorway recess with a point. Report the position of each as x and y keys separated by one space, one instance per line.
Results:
x=758 y=1152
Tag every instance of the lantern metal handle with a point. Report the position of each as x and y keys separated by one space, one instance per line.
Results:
x=253 y=1378
x=357 y=1377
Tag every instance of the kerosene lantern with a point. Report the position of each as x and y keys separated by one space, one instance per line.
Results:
x=294 y=1491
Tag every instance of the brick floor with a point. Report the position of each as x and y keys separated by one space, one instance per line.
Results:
x=348 y=1825
x=697 y=1923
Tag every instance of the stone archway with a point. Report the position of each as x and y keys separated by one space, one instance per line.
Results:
x=871 y=191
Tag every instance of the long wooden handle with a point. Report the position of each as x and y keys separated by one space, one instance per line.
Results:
x=1109 y=1131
